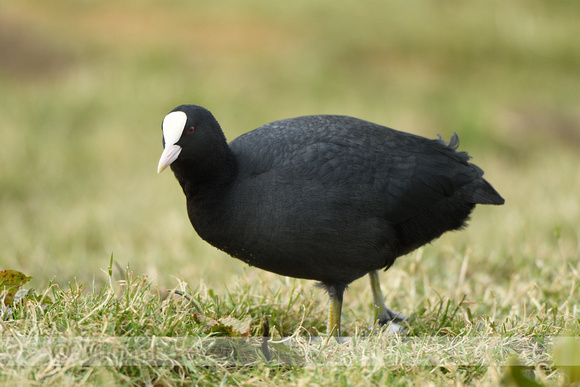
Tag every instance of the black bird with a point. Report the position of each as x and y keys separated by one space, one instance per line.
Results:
x=325 y=197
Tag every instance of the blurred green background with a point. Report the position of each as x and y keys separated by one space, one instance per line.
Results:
x=84 y=86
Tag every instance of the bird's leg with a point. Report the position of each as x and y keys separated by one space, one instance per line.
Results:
x=335 y=293
x=385 y=314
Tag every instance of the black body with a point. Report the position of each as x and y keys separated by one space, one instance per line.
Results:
x=327 y=198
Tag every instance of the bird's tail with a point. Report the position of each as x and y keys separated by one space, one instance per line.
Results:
x=483 y=193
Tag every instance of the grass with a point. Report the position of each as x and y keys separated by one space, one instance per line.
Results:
x=83 y=89
x=128 y=331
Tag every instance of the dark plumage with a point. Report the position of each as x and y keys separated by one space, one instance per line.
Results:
x=327 y=198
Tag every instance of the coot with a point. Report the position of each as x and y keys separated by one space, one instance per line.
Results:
x=325 y=197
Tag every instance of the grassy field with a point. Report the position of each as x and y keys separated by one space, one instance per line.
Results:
x=83 y=89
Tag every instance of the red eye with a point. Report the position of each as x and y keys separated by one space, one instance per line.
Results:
x=190 y=130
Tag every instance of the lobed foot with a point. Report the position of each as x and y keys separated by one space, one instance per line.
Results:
x=388 y=316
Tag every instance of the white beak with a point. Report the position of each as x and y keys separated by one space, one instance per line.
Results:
x=168 y=156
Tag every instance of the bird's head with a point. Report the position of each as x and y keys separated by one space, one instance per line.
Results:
x=188 y=132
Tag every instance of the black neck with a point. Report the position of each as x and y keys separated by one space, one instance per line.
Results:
x=208 y=176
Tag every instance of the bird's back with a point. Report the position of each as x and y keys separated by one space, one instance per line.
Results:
x=409 y=172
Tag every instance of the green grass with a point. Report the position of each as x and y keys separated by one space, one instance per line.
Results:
x=84 y=87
